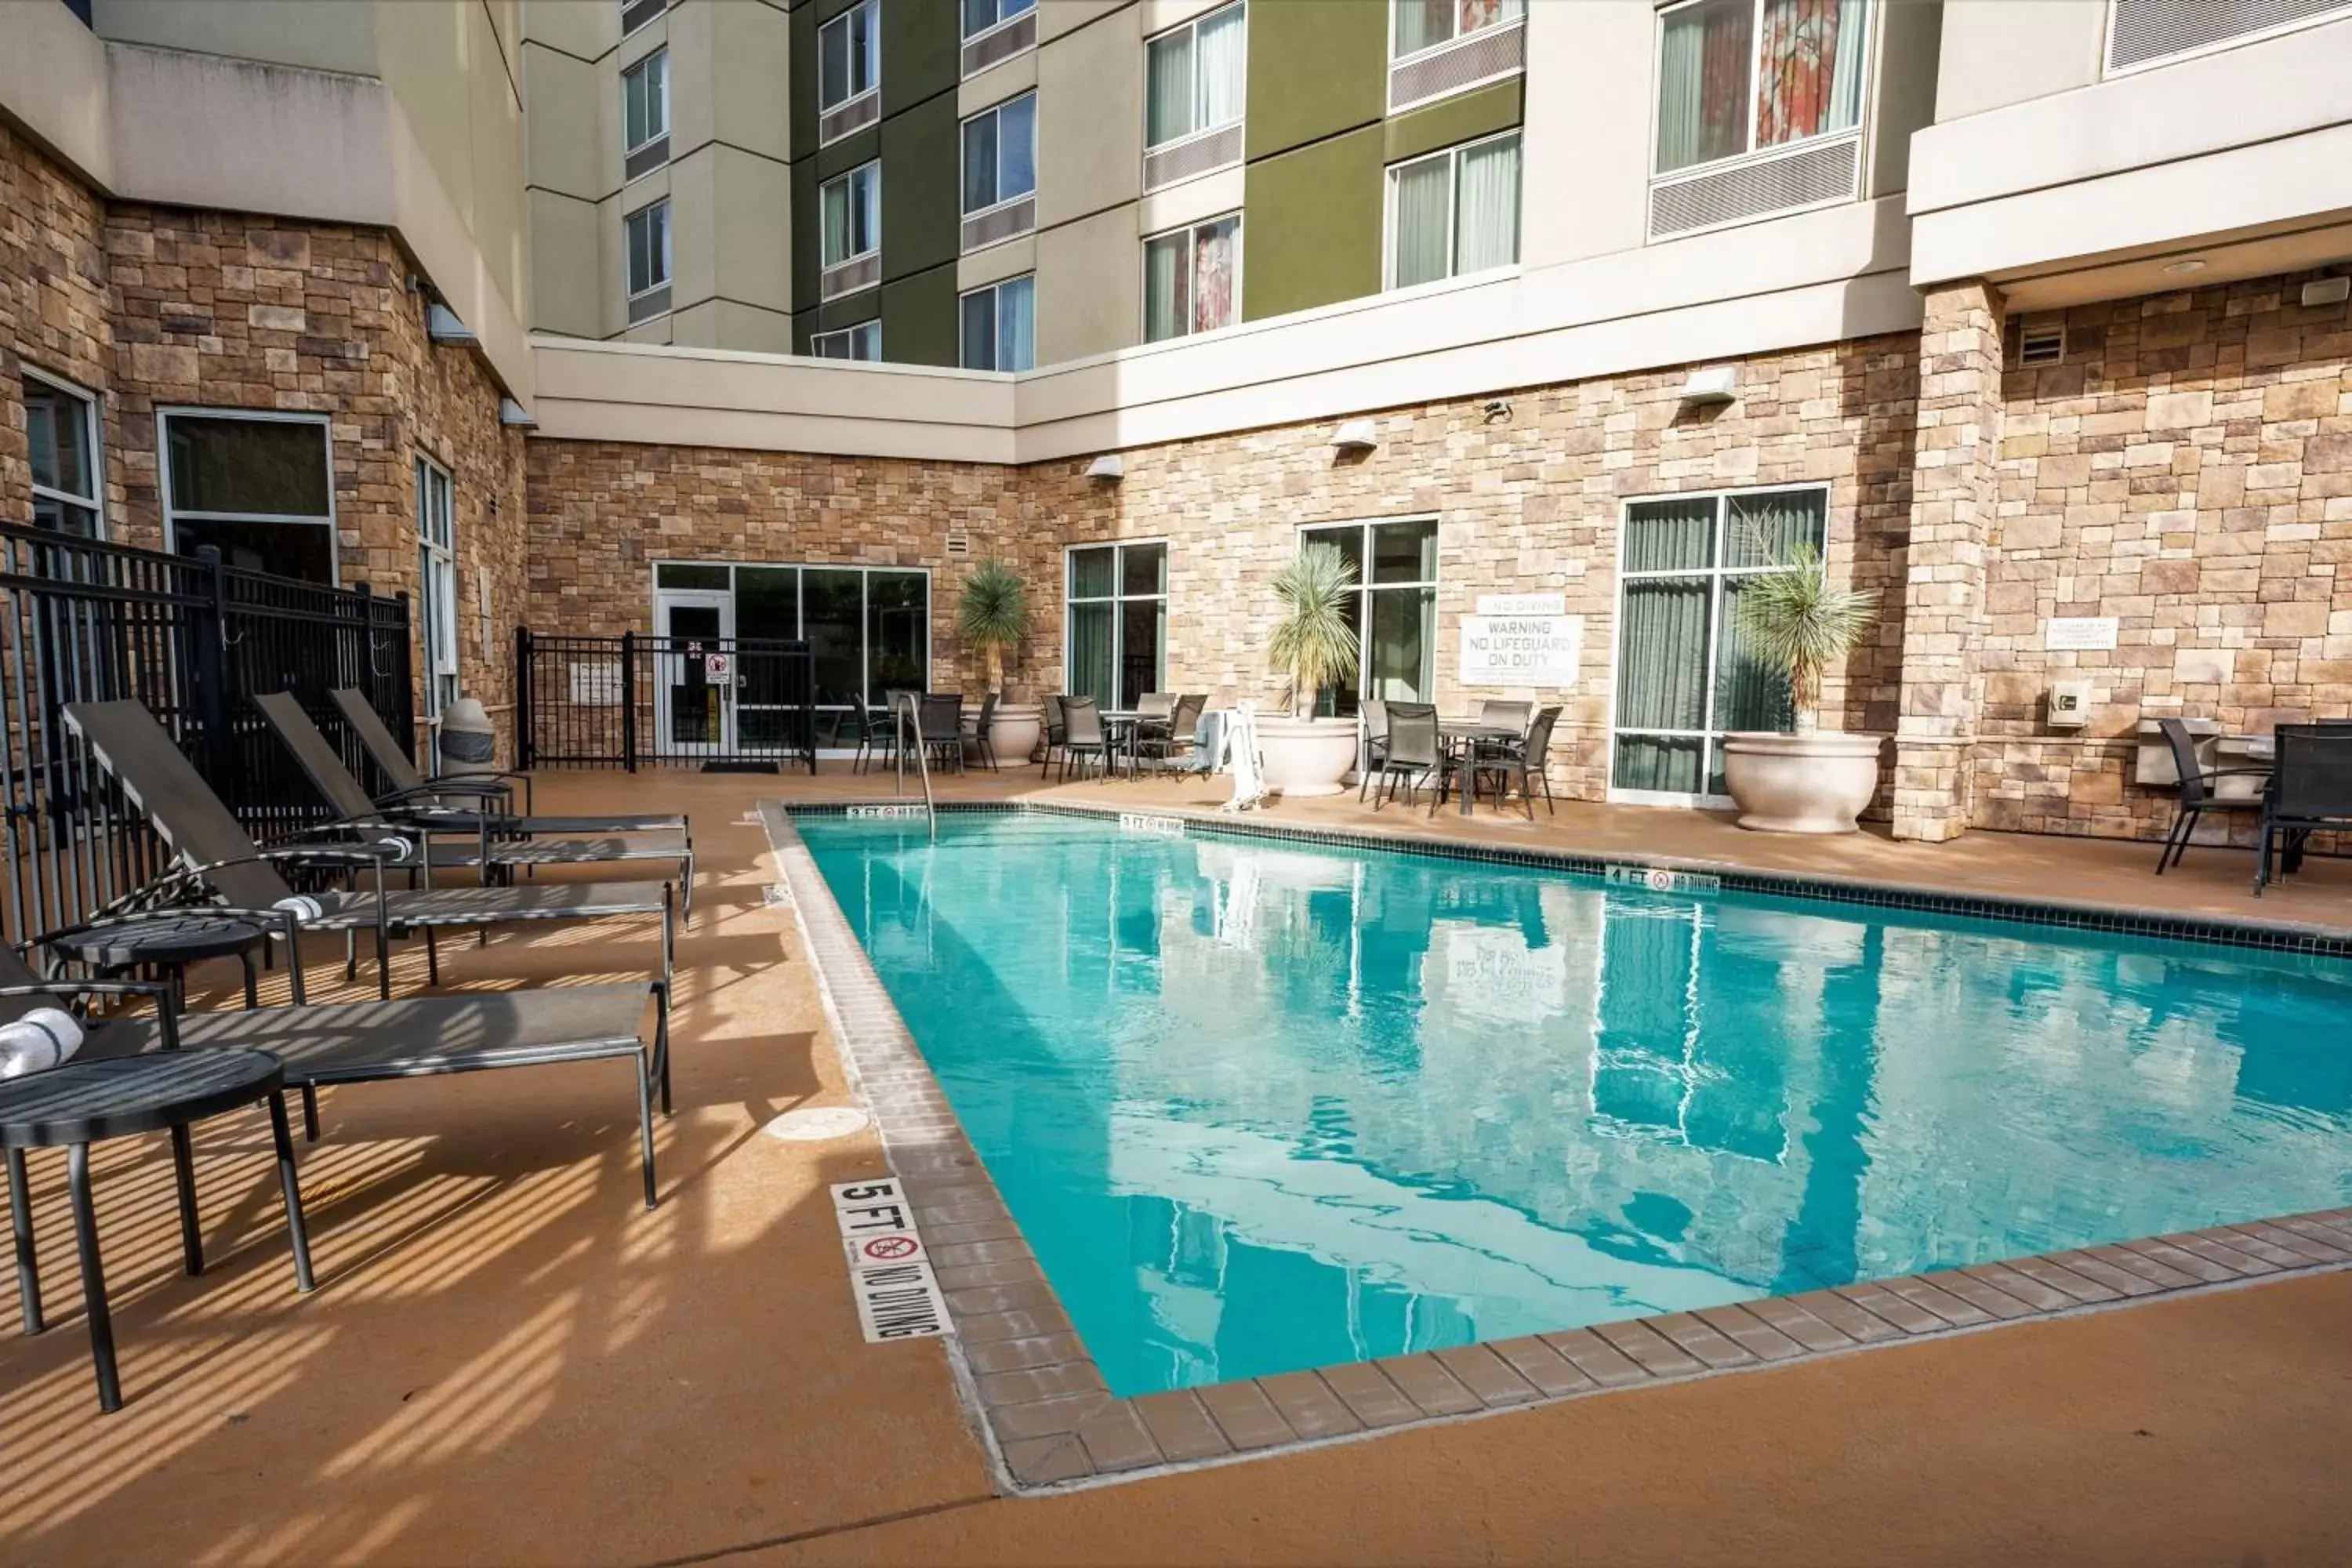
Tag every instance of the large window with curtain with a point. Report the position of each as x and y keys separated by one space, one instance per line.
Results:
x=644 y=100
x=1193 y=78
x=1455 y=212
x=850 y=211
x=1418 y=24
x=1685 y=678
x=1393 y=609
x=849 y=56
x=1737 y=77
x=258 y=486
x=996 y=327
x=1000 y=155
x=1191 y=279
x=1115 y=622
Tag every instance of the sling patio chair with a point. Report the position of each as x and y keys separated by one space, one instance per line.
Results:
x=2197 y=793
x=1161 y=741
x=368 y=1042
x=1056 y=734
x=160 y=780
x=2310 y=791
x=502 y=843
x=1084 y=737
x=1372 y=725
x=1410 y=751
x=411 y=786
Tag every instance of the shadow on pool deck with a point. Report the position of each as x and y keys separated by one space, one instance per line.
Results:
x=509 y=1361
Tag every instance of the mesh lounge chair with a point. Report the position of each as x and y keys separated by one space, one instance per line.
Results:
x=409 y=785
x=134 y=748
x=2197 y=796
x=365 y=1042
x=503 y=843
x=2311 y=789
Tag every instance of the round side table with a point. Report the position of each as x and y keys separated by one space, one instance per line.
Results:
x=170 y=942
x=85 y=1103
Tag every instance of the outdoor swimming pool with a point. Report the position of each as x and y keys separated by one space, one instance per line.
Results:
x=1260 y=1106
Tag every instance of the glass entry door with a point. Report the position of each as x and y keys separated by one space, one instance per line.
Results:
x=693 y=678
x=1684 y=678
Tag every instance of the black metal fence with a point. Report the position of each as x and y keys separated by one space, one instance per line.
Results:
x=633 y=700
x=194 y=640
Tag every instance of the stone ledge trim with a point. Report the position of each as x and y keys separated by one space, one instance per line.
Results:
x=1037 y=1400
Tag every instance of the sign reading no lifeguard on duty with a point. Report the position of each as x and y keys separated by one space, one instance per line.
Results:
x=1521 y=639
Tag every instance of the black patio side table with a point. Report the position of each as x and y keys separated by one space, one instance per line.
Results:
x=169 y=941
x=83 y=1103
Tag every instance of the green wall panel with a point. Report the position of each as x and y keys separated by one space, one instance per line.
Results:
x=1311 y=226
x=922 y=52
x=805 y=234
x=1456 y=119
x=919 y=318
x=920 y=189
x=1317 y=68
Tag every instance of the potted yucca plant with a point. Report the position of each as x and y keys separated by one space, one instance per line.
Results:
x=1795 y=621
x=1314 y=646
x=992 y=617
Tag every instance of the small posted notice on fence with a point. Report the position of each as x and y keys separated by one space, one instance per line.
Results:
x=595 y=685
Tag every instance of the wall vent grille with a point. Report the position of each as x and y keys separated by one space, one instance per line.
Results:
x=1810 y=175
x=959 y=542
x=1474 y=58
x=638 y=13
x=2146 y=31
x=2041 y=342
x=646 y=159
x=1197 y=155
x=849 y=277
x=645 y=307
x=1000 y=223
x=1000 y=44
x=848 y=118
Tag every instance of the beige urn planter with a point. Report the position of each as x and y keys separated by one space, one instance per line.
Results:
x=1012 y=733
x=1817 y=783
x=1306 y=756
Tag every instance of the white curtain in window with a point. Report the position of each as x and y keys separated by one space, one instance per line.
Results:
x=1017 y=323
x=1165 y=309
x=837 y=221
x=1421 y=22
x=1703 y=76
x=1169 y=110
x=1845 y=96
x=1016 y=142
x=868 y=183
x=1219 y=54
x=1423 y=194
x=1487 y=229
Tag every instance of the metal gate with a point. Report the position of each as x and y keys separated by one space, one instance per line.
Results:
x=632 y=699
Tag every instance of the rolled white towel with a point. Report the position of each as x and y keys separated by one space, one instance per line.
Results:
x=302 y=906
x=400 y=847
x=41 y=1039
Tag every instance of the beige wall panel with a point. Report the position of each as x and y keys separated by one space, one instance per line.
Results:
x=1904 y=101
x=1010 y=260
x=994 y=85
x=694 y=219
x=563 y=131
x=1089 y=122
x=336 y=38
x=749 y=72
x=53 y=77
x=1585 y=160
x=723 y=323
x=498 y=216
x=588 y=31
x=1090 y=287
x=425 y=59
x=568 y=271
x=1999 y=52
x=660 y=329
x=1060 y=17
x=1211 y=195
x=1159 y=15
x=751 y=231
x=693 y=103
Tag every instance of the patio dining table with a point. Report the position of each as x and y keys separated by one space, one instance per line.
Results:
x=1122 y=724
x=1461 y=734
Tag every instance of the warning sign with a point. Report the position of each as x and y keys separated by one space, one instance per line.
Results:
x=718 y=669
x=1541 y=651
x=904 y=1247
x=890 y=1270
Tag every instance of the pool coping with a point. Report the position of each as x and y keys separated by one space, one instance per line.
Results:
x=1045 y=1414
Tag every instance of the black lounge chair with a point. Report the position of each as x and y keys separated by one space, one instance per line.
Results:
x=2310 y=791
x=502 y=842
x=141 y=758
x=369 y=1042
x=409 y=785
x=2197 y=793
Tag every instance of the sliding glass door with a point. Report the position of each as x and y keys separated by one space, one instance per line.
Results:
x=1393 y=610
x=1116 y=623
x=1683 y=678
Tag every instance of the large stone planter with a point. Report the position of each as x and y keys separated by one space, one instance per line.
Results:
x=1306 y=756
x=1801 y=783
x=1012 y=733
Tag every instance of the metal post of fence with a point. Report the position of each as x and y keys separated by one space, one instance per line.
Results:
x=629 y=701
x=522 y=719
x=209 y=628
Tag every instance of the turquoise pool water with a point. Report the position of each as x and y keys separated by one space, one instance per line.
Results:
x=1261 y=1106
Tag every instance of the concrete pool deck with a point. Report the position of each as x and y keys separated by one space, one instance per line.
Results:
x=510 y=1360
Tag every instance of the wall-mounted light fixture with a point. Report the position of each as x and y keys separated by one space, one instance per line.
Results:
x=442 y=325
x=1356 y=435
x=516 y=415
x=1714 y=385
x=1109 y=466
x=1498 y=408
x=2327 y=292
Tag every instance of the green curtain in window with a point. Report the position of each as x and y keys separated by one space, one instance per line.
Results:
x=836 y=223
x=1489 y=232
x=1091 y=670
x=1747 y=695
x=1423 y=197
x=1167 y=114
x=1762 y=530
x=1165 y=309
x=1404 y=634
x=1670 y=535
x=1661 y=655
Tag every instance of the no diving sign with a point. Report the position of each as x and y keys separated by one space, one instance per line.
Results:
x=890 y=1270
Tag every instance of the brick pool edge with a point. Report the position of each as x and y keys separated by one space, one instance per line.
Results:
x=1047 y=1418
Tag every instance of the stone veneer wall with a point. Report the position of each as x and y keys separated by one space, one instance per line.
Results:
x=2187 y=469
x=53 y=303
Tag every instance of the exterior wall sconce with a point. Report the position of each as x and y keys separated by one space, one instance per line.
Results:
x=1109 y=466
x=442 y=326
x=1716 y=385
x=1355 y=436
x=511 y=413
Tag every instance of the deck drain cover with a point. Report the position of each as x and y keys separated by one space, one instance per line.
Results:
x=816 y=1123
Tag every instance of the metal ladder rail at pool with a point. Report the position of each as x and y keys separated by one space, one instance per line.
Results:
x=905 y=714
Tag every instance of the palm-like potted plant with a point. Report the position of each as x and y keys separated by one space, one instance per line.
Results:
x=992 y=617
x=1314 y=646
x=1794 y=620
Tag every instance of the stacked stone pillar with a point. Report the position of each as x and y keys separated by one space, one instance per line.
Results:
x=1954 y=493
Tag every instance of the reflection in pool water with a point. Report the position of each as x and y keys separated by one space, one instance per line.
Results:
x=1262 y=1106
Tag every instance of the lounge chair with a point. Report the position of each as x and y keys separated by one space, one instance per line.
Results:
x=502 y=842
x=411 y=786
x=2197 y=794
x=367 y=1042
x=141 y=758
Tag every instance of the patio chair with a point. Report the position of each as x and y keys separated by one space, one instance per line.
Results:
x=1155 y=705
x=2197 y=794
x=1084 y=736
x=367 y=1042
x=135 y=751
x=503 y=843
x=1163 y=740
x=1523 y=759
x=368 y=728
x=877 y=744
x=978 y=739
x=939 y=718
x=1373 y=715
x=1507 y=715
x=1057 y=734
x=1409 y=751
x=2311 y=789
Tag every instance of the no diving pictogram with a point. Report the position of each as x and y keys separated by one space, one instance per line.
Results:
x=887 y=1248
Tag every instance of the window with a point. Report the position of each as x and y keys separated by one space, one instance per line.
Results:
x=1192 y=78
x=849 y=56
x=62 y=422
x=644 y=100
x=1000 y=154
x=1684 y=676
x=851 y=210
x=1396 y=597
x=1191 y=279
x=1116 y=630
x=649 y=238
x=1424 y=23
x=979 y=16
x=863 y=341
x=1455 y=212
x=999 y=325
x=257 y=487
x=1736 y=75
x=437 y=588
